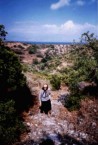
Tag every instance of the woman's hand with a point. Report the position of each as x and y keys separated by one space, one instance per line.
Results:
x=39 y=103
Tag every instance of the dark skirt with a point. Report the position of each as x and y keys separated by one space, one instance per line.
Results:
x=45 y=106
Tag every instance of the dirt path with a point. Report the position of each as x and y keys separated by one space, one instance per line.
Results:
x=41 y=126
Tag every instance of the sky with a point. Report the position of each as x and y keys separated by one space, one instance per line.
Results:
x=48 y=20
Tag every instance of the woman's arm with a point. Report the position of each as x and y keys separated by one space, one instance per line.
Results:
x=40 y=93
x=49 y=93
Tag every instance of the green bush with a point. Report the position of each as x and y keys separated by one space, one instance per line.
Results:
x=55 y=81
x=25 y=68
x=73 y=103
x=11 y=79
x=2 y=34
x=85 y=61
x=42 y=66
x=20 y=46
x=35 y=61
x=10 y=125
x=32 y=49
x=44 y=60
x=11 y=76
x=39 y=54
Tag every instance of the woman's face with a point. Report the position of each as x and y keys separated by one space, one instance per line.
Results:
x=45 y=87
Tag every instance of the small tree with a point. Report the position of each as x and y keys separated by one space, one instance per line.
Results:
x=84 y=69
x=10 y=124
x=35 y=61
x=3 y=34
x=11 y=79
x=33 y=49
x=55 y=82
x=10 y=70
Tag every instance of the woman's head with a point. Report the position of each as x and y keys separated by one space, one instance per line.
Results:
x=45 y=87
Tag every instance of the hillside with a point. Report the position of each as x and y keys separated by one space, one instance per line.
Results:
x=68 y=69
x=62 y=126
x=28 y=52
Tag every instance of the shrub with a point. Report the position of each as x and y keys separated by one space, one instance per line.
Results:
x=84 y=62
x=44 y=60
x=55 y=81
x=33 y=49
x=25 y=68
x=35 y=61
x=2 y=34
x=52 y=46
x=10 y=125
x=39 y=54
x=73 y=103
x=11 y=79
x=10 y=70
x=42 y=66
x=21 y=47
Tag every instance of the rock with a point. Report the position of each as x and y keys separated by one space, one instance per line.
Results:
x=94 y=124
x=55 y=138
x=82 y=85
x=63 y=97
x=95 y=110
x=28 y=124
x=71 y=126
x=83 y=135
x=30 y=113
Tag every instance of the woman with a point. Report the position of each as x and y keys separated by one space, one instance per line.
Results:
x=44 y=98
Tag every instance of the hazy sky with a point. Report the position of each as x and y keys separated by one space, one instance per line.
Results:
x=48 y=20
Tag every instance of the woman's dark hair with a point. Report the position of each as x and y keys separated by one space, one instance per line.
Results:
x=43 y=87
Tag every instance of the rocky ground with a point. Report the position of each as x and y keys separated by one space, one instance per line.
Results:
x=57 y=128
